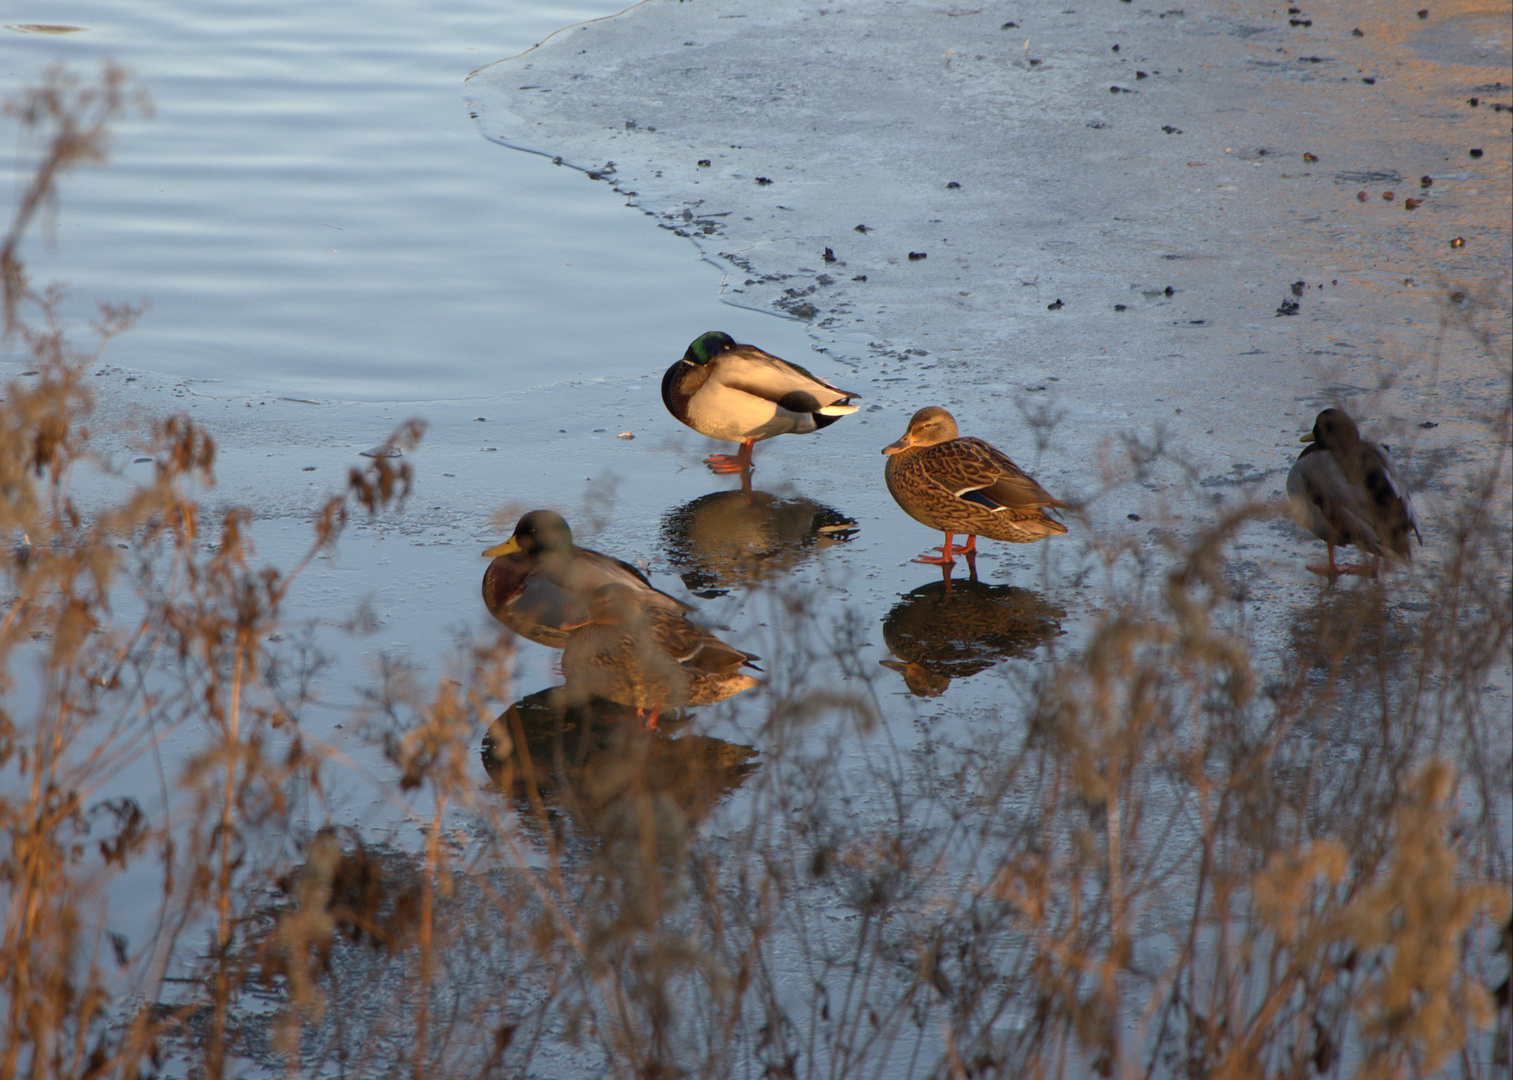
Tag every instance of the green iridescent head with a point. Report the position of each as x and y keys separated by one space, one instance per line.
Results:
x=707 y=346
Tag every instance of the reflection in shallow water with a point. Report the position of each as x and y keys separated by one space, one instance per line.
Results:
x=588 y=760
x=1347 y=629
x=728 y=539
x=941 y=633
x=343 y=886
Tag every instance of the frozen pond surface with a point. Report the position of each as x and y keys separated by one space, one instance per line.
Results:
x=1020 y=181
x=1112 y=208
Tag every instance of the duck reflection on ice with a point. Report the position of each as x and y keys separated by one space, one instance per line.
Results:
x=732 y=539
x=585 y=759
x=939 y=633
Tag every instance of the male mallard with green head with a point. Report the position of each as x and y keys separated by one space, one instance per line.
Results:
x=1345 y=490
x=738 y=393
x=637 y=653
x=964 y=485
x=540 y=583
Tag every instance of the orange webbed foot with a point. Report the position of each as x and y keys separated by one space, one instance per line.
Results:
x=724 y=464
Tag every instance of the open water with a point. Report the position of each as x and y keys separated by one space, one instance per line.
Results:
x=310 y=210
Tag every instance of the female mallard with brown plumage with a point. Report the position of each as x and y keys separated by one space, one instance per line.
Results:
x=741 y=394
x=965 y=486
x=1345 y=490
x=540 y=583
x=634 y=652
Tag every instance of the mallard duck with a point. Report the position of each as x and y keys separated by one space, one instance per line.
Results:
x=647 y=656
x=1345 y=490
x=540 y=583
x=739 y=393
x=964 y=485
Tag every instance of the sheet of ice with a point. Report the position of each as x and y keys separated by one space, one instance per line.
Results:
x=1100 y=211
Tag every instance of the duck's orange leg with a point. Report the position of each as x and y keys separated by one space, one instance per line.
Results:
x=947 y=553
x=970 y=551
x=1331 y=569
x=725 y=463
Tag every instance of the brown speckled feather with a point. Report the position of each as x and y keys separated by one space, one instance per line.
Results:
x=965 y=485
